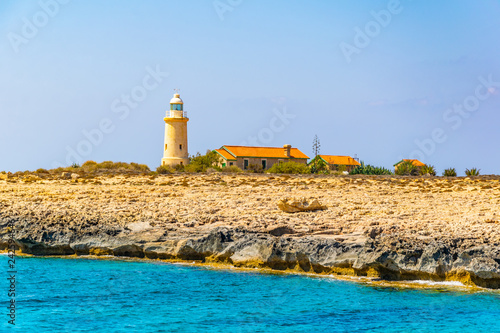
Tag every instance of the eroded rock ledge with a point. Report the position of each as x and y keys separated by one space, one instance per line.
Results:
x=354 y=255
x=394 y=228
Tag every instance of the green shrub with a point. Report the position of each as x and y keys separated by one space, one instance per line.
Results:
x=318 y=167
x=75 y=165
x=450 y=172
x=139 y=167
x=89 y=163
x=179 y=167
x=289 y=167
x=342 y=168
x=92 y=166
x=472 y=172
x=406 y=168
x=255 y=168
x=110 y=165
x=428 y=169
x=200 y=163
x=164 y=170
x=369 y=170
x=231 y=168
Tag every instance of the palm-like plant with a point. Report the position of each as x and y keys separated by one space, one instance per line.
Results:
x=472 y=172
x=450 y=172
x=406 y=168
x=428 y=169
x=369 y=170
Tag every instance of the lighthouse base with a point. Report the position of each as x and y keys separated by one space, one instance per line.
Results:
x=173 y=161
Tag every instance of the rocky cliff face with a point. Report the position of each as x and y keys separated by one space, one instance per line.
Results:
x=433 y=232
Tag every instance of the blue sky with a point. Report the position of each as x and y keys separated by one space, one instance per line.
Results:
x=422 y=81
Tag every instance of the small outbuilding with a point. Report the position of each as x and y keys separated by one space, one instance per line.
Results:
x=338 y=163
x=246 y=157
x=416 y=163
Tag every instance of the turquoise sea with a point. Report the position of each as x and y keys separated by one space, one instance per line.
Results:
x=85 y=295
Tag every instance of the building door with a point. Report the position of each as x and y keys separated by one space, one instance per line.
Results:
x=264 y=164
x=245 y=164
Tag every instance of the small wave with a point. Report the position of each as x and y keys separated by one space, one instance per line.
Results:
x=438 y=283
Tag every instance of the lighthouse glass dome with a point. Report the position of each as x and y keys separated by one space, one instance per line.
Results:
x=176 y=107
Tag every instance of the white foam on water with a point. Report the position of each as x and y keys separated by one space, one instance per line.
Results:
x=438 y=283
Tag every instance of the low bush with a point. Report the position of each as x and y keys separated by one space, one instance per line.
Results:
x=289 y=167
x=139 y=167
x=255 y=168
x=41 y=171
x=103 y=167
x=472 y=172
x=164 y=170
x=179 y=167
x=450 y=172
x=89 y=164
x=341 y=168
x=231 y=168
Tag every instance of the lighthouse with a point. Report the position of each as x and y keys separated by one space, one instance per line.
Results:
x=175 y=150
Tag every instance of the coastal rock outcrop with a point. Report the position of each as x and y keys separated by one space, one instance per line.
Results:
x=385 y=228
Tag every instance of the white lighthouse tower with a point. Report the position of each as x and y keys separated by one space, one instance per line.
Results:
x=175 y=150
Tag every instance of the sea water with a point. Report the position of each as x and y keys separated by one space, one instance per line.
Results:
x=85 y=295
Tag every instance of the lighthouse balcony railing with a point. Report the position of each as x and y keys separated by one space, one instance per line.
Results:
x=176 y=114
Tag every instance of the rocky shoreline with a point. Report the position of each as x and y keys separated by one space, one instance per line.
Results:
x=393 y=228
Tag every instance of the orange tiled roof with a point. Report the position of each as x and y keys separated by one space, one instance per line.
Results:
x=339 y=160
x=265 y=152
x=416 y=163
x=225 y=154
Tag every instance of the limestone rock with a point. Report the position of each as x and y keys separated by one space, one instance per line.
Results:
x=395 y=228
x=66 y=175
x=303 y=205
x=280 y=231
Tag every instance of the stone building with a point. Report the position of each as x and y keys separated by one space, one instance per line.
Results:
x=259 y=157
x=337 y=162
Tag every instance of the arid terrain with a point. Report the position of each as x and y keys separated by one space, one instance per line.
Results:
x=395 y=228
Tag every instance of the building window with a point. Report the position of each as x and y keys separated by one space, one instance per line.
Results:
x=165 y=147
x=180 y=147
x=280 y=161
x=176 y=107
x=264 y=164
x=223 y=165
x=245 y=164
x=230 y=163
